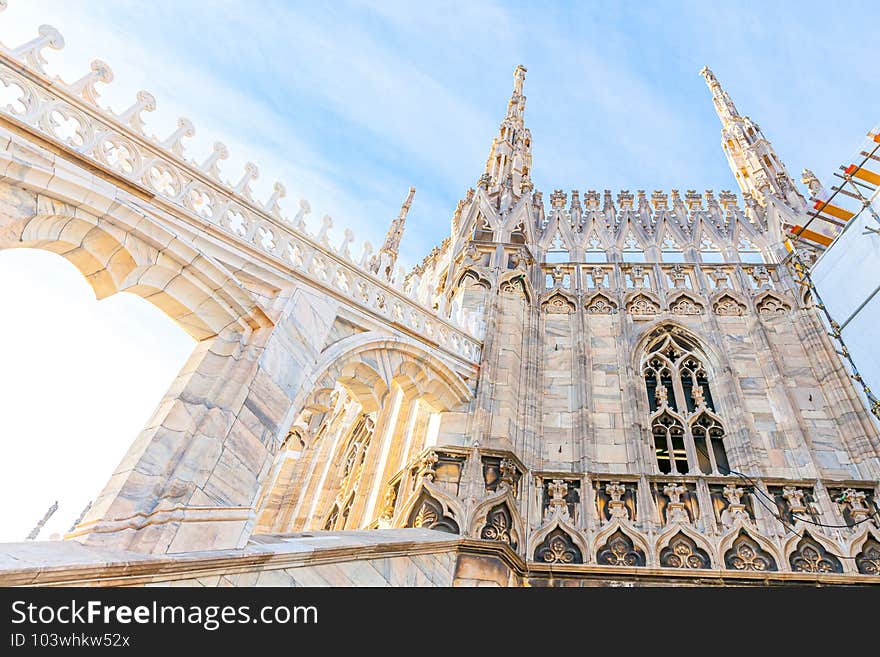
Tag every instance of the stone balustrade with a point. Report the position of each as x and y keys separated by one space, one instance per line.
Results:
x=615 y=278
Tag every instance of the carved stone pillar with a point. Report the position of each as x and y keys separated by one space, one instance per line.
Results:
x=191 y=479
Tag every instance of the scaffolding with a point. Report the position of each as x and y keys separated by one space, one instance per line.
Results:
x=856 y=193
x=860 y=180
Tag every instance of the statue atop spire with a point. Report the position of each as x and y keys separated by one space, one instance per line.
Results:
x=383 y=263
x=511 y=152
x=723 y=103
x=755 y=164
x=519 y=76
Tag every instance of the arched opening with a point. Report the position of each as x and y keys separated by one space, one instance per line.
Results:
x=80 y=378
x=371 y=411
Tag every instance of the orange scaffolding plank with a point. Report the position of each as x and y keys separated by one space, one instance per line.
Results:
x=864 y=174
x=813 y=236
x=833 y=210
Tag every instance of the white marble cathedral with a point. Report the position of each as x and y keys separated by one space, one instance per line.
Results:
x=609 y=388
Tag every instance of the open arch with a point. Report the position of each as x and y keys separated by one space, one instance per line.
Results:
x=122 y=250
x=386 y=356
x=403 y=390
x=79 y=379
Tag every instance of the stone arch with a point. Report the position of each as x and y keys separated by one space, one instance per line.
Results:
x=600 y=303
x=320 y=401
x=864 y=550
x=557 y=233
x=667 y=229
x=771 y=305
x=794 y=551
x=630 y=228
x=369 y=367
x=685 y=303
x=655 y=329
x=484 y=521
x=730 y=547
x=517 y=280
x=558 y=301
x=617 y=544
x=378 y=353
x=727 y=303
x=364 y=383
x=667 y=540
x=543 y=536
x=471 y=274
x=521 y=215
x=642 y=302
x=123 y=251
x=558 y=545
x=430 y=508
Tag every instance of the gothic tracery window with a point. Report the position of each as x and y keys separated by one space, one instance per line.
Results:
x=683 y=552
x=811 y=557
x=688 y=435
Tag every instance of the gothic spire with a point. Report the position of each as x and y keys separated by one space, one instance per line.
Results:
x=511 y=154
x=383 y=263
x=754 y=162
x=723 y=103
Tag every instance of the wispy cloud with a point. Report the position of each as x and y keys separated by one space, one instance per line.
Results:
x=351 y=102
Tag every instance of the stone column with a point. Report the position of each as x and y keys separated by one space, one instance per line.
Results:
x=192 y=478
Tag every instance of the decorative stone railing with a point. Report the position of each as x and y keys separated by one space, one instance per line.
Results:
x=68 y=114
x=623 y=277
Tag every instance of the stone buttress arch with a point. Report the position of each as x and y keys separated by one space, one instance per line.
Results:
x=372 y=354
x=119 y=249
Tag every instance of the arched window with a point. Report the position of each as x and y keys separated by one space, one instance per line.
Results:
x=669 y=443
x=688 y=434
x=708 y=443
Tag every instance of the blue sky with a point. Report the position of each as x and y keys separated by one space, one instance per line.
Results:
x=349 y=103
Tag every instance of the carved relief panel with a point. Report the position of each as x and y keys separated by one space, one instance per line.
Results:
x=561 y=496
x=747 y=554
x=794 y=502
x=429 y=514
x=856 y=505
x=616 y=500
x=676 y=501
x=683 y=552
x=810 y=556
x=558 y=548
x=619 y=550
x=731 y=502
